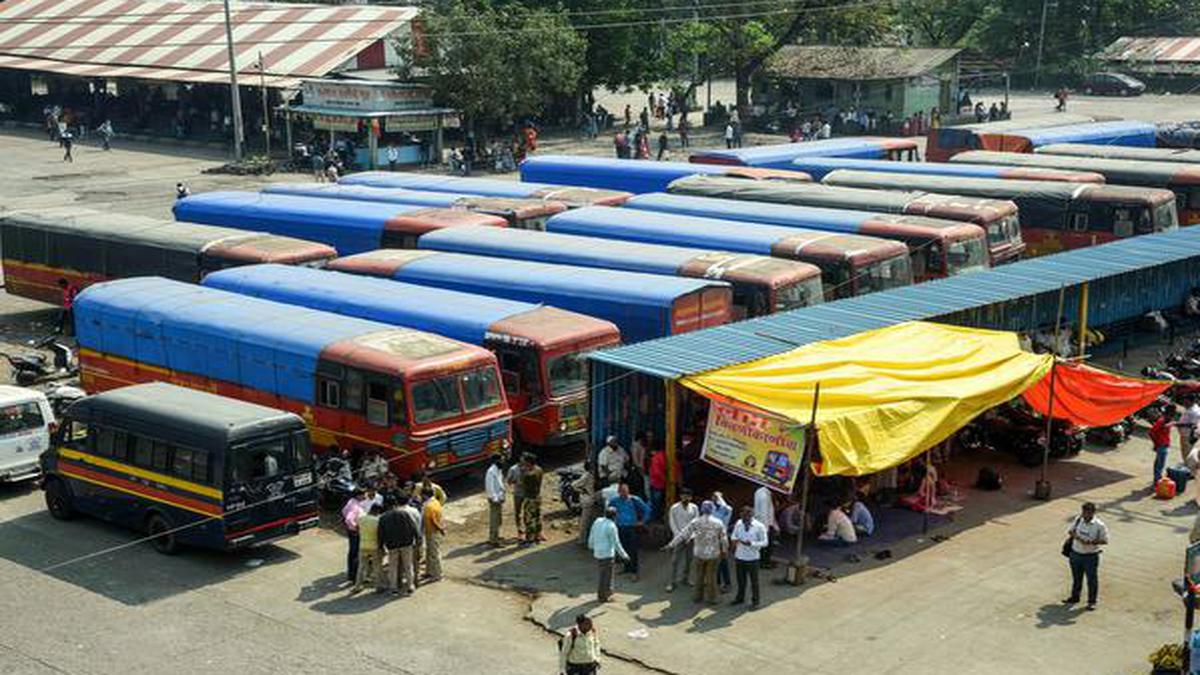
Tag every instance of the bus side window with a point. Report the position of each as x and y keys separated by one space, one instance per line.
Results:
x=112 y=443
x=510 y=371
x=190 y=464
x=354 y=391
x=1122 y=219
x=1079 y=222
x=78 y=436
x=329 y=385
x=160 y=456
x=377 y=404
x=142 y=451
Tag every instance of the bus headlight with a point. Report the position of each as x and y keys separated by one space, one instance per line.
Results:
x=562 y=426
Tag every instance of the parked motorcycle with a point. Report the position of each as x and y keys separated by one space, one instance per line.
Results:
x=335 y=481
x=566 y=490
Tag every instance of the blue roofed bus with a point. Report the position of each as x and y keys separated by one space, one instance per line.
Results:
x=540 y=349
x=819 y=167
x=636 y=176
x=185 y=467
x=487 y=187
x=424 y=401
x=942 y=143
x=850 y=264
x=761 y=284
x=938 y=248
x=349 y=227
x=642 y=306
x=528 y=214
x=1054 y=216
x=781 y=156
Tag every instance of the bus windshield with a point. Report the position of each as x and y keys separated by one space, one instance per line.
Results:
x=567 y=373
x=268 y=458
x=802 y=294
x=1003 y=231
x=966 y=255
x=885 y=274
x=441 y=398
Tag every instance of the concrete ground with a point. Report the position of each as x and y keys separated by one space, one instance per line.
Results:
x=976 y=594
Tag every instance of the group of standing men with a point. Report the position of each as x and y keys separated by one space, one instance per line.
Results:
x=524 y=481
x=702 y=537
x=389 y=539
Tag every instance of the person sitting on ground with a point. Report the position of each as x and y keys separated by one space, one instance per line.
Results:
x=374 y=467
x=861 y=518
x=839 y=529
x=789 y=518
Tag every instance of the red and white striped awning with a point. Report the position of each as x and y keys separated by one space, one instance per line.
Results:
x=185 y=41
x=1154 y=50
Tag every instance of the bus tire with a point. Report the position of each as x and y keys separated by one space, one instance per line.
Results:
x=58 y=500
x=158 y=528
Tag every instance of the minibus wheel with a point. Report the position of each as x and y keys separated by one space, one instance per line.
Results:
x=161 y=536
x=58 y=500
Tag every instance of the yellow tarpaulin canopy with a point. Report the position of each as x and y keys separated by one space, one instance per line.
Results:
x=886 y=395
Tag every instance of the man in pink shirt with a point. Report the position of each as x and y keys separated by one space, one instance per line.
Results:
x=355 y=508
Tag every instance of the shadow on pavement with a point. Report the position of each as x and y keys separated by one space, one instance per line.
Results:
x=1058 y=614
x=106 y=560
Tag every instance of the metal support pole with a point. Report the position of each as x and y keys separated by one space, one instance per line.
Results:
x=235 y=96
x=672 y=434
x=798 y=569
x=1037 y=69
x=1083 y=318
x=287 y=118
x=1042 y=489
x=262 y=83
x=1007 y=87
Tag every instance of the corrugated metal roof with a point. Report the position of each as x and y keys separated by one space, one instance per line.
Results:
x=1153 y=50
x=185 y=41
x=744 y=341
x=855 y=63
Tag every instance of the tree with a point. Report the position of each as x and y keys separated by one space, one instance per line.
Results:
x=496 y=63
x=938 y=23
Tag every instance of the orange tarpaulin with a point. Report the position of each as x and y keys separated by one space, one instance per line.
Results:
x=1092 y=397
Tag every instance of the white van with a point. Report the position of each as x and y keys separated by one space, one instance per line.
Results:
x=25 y=420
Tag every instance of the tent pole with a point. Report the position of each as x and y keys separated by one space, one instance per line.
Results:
x=1083 y=318
x=799 y=567
x=1041 y=490
x=672 y=433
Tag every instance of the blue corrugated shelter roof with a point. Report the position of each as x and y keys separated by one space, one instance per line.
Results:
x=1122 y=132
x=652 y=227
x=488 y=187
x=364 y=193
x=781 y=155
x=461 y=316
x=562 y=249
x=714 y=348
x=814 y=217
x=270 y=346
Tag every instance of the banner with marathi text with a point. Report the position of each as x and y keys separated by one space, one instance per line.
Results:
x=754 y=445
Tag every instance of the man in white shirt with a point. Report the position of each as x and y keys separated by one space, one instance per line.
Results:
x=1189 y=426
x=612 y=461
x=393 y=156
x=493 y=485
x=764 y=512
x=374 y=467
x=749 y=539
x=710 y=543
x=1088 y=533
x=680 y=514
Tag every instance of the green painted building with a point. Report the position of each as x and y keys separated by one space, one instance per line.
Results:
x=819 y=78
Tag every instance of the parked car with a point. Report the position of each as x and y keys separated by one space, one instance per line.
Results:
x=25 y=422
x=1115 y=84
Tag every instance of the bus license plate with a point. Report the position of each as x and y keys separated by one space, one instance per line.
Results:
x=302 y=479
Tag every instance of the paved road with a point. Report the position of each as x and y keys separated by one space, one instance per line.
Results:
x=982 y=601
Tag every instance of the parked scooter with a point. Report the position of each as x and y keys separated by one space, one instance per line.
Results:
x=33 y=367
